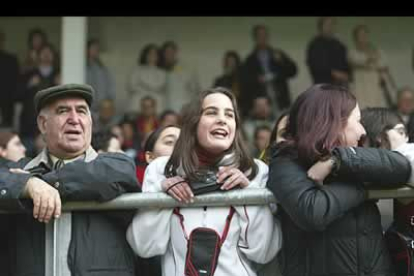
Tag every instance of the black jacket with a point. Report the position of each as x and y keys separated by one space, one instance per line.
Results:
x=98 y=243
x=5 y=228
x=251 y=87
x=324 y=54
x=333 y=229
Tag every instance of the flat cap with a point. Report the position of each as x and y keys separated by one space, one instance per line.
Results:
x=45 y=96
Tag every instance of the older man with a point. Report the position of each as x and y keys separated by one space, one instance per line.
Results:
x=70 y=169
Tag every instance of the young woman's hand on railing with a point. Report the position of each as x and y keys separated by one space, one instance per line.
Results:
x=231 y=177
x=178 y=188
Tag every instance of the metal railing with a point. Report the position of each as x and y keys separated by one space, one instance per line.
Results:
x=58 y=232
x=236 y=197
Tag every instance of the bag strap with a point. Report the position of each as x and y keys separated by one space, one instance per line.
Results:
x=176 y=211
x=227 y=227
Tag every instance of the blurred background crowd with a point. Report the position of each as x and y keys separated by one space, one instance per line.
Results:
x=144 y=69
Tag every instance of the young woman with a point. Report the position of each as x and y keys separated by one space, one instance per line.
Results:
x=210 y=140
x=277 y=136
x=331 y=229
x=161 y=142
x=385 y=129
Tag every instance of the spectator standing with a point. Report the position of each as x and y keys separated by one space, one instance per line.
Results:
x=326 y=56
x=146 y=80
x=182 y=81
x=266 y=72
x=98 y=75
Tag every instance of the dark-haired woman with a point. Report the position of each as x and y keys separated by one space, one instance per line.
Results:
x=37 y=38
x=331 y=229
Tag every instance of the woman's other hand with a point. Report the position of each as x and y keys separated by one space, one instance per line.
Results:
x=178 y=188
x=320 y=170
x=231 y=177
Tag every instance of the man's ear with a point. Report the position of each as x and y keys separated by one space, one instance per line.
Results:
x=41 y=123
x=149 y=157
x=2 y=152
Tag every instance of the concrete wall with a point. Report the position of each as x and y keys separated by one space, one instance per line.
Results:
x=203 y=40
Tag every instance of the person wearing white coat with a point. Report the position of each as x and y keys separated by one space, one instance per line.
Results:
x=254 y=234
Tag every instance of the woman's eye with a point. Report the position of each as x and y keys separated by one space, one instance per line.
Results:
x=169 y=143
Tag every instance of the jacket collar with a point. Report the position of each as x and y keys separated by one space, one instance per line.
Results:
x=44 y=159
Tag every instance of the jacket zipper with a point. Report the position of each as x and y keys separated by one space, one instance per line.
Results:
x=204 y=216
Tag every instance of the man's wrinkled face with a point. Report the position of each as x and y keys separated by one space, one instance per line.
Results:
x=66 y=125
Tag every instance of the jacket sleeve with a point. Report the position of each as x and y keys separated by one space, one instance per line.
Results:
x=379 y=167
x=102 y=179
x=149 y=233
x=261 y=235
x=312 y=207
x=12 y=186
x=287 y=67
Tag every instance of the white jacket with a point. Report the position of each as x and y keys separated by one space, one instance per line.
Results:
x=407 y=149
x=254 y=234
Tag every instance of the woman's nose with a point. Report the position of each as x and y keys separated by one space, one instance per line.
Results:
x=363 y=132
x=221 y=118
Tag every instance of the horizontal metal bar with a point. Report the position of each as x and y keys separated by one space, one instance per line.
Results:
x=405 y=192
x=236 y=197
x=162 y=200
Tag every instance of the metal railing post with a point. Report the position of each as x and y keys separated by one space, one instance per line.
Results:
x=58 y=235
